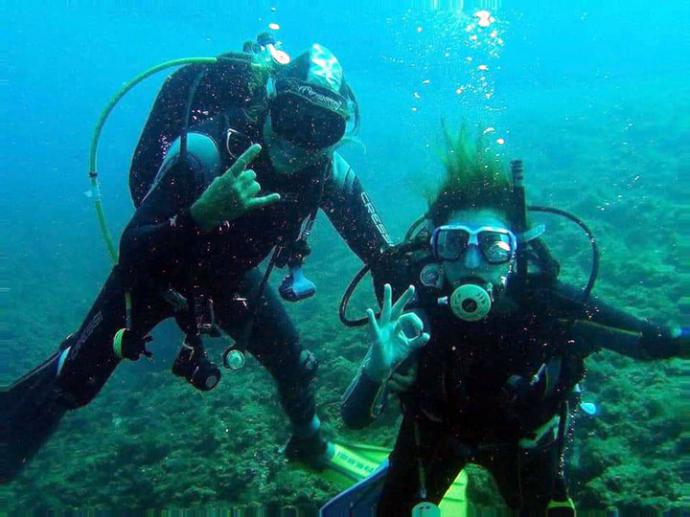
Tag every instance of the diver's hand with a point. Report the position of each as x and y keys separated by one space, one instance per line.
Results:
x=390 y=342
x=232 y=194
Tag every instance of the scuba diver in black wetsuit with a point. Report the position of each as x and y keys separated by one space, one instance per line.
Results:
x=202 y=226
x=488 y=358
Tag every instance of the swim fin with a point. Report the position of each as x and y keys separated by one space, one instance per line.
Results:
x=368 y=464
x=348 y=463
x=360 y=499
x=30 y=410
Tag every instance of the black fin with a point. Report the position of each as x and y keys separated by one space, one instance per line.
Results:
x=30 y=410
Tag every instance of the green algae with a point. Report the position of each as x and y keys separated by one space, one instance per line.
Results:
x=152 y=441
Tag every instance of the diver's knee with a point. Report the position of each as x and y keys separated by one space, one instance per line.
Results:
x=77 y=396
x=75 y=392
x=297 y=370
x=309 y=365
x=297 y=389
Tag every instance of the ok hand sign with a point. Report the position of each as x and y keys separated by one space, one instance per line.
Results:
x=394 y=336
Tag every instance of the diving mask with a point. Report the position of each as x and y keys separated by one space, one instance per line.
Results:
x=473 y=298
x=308 y=115
x=497 y=245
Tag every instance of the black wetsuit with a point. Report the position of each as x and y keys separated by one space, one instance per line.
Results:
x=490 y=392
x=162 y=249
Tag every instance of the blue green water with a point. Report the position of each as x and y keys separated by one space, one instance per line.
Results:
x=594 y=98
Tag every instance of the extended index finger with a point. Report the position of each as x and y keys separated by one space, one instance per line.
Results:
x=245 y=159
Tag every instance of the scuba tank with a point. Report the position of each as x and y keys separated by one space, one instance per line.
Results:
x=196 y=93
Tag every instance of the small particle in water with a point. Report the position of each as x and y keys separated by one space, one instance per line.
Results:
x=273 y=26
x=483 y=68
x=426 y=81
x=414 y=108
x=473 y=37
x=494 y=34
x=416 y=95
x=459 y=90
x=273 y=9
x=500 y=141
x=420 y=28
x=489 y=130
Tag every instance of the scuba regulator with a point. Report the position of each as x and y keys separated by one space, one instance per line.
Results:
x=469 y=302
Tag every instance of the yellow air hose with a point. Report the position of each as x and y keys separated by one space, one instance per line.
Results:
x=93 y=174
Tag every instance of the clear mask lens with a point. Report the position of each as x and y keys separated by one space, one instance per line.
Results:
x=450 y=244
x=495 y=247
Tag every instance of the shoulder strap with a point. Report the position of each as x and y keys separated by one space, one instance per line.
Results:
x=192 y=94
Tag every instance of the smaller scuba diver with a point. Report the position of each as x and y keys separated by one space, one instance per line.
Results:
x=497 y=342
x=204 y=221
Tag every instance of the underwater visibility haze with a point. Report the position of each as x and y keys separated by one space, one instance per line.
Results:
x=593 y=97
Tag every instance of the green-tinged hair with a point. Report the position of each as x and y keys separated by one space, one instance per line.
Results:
x=475 y=179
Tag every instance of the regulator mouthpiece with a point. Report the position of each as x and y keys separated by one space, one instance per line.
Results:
x=469 y=302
